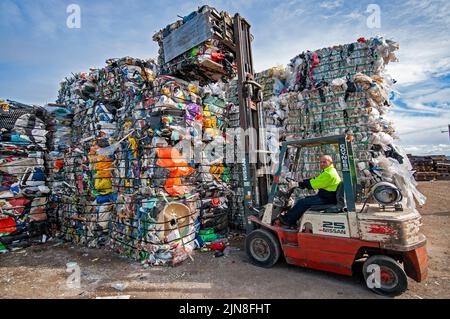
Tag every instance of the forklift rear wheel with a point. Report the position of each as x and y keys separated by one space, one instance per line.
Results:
x=262 y=248
x=392 y=278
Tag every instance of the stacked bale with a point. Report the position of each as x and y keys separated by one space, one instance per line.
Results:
x=23 y=175
x=60 y=129
x=131 y=168
x=236 y=215
x=156 y=207
x=343 y=90
x=96 y=100
x=215 y=172
x=207 y=56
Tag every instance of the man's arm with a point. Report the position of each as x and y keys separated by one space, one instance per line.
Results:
x=321 y=181
x=305 y=184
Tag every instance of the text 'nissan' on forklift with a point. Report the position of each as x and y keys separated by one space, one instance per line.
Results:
x=382 y=235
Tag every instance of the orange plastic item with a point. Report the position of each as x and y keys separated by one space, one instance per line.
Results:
x=170 y=153
x=103 y=163
x=181 y=171
x=174 y=187
x=7 y=225
x=59 y=164
x=171 y=159
x=103 y=174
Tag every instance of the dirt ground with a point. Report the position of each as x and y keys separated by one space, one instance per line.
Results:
x=40 y=271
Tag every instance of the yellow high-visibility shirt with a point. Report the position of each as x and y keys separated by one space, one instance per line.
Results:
x=328 y=180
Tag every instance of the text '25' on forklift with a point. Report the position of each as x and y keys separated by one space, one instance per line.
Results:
x=331 y=238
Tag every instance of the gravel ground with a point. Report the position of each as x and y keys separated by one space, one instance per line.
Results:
x=40 y=271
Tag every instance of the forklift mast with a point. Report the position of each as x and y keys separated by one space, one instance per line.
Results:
x=255 y=180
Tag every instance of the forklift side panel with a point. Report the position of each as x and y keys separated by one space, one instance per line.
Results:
x=326 y=253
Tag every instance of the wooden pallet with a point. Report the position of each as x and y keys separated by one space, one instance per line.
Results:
x=425 y=176
x=444 y=176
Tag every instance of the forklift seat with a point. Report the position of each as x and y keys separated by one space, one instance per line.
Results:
x=333 y=208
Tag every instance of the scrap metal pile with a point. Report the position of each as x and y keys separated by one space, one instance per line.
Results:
x=24 y=191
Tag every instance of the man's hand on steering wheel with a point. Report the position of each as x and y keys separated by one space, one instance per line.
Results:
x=292 y=183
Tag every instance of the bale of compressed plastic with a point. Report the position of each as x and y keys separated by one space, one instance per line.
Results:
x=344 y=90
x=198 y=47
x=24 y=191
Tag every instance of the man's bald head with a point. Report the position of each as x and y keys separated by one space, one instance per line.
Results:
x=325 y=161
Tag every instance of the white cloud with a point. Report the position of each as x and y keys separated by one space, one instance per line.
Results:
x=421 y=134
x=418 y=61
x=354 y=15
x=435 y=11
x=426 y=149
x=331 y=4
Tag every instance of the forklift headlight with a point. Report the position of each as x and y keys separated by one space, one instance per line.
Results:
x=386 y=193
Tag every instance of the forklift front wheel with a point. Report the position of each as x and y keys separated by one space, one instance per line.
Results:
x=262 y=248
x=385 y=276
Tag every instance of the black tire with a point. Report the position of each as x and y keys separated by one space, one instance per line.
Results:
x=393 y=279
x=262 y=248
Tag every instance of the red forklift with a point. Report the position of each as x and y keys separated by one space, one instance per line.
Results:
x=333 y=238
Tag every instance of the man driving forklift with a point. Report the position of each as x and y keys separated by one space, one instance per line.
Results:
x=327 y=183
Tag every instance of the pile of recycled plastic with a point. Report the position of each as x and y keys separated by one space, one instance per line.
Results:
x=208 y=56
x=132 y=179
x=86 y=215
x=161 y=202
x=214 y=170
x=23 y=187
x=273 y=82
x=185 y=194
x=312 y=69
x=344 y=90
x=156 y=216
x=60 y=131
x=96 y=99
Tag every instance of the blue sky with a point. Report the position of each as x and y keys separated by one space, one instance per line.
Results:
x=38 y=50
